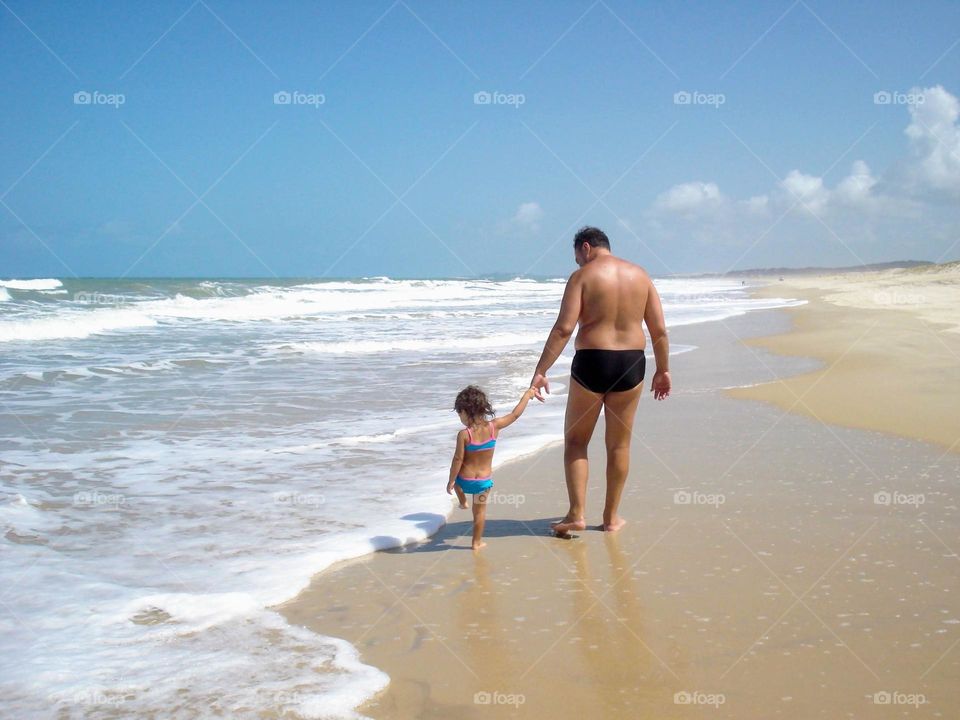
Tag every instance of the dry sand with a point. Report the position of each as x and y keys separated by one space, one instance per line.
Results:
x=891 y=364
x=930 y=293
x=773 y=565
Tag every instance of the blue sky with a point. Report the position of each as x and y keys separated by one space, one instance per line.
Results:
x=782 y=156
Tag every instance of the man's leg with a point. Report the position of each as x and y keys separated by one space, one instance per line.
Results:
x=583 y=409
x=619 y=411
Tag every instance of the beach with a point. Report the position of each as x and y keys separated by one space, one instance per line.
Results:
x=891 y=345
x=268 y=271
x=782 y=558
x=211 y=472
x=181 y=455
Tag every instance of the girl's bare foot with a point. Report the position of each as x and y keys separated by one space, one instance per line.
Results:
x=463 y=506
x=477 y=546
x=614 y=525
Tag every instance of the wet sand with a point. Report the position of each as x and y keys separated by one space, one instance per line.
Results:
x=772 y=566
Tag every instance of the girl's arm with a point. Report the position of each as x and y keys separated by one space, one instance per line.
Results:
x=457 y=459
x=511 y=417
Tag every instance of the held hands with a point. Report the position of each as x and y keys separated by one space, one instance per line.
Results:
x=538 y=383
x=660 y=386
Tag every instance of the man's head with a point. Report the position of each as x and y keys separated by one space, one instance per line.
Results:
x=588 y=244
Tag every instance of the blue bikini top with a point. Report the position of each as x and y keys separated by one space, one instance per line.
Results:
x=488 y=445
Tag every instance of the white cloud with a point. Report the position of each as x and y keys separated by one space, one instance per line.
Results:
x=690 y=197
x=908 y=211
x=934 y=137
x=756 y=205
x=528 y=216
x=798 y=192
x=932 y=169
x=855 y=189
x=808 y=190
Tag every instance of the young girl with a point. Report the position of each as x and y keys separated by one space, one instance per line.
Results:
x=471 y=470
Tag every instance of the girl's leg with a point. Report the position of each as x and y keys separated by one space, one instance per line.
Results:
x=461 y=497
x=479 y=518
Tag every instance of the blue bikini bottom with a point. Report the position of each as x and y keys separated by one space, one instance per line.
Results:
x=474 y=486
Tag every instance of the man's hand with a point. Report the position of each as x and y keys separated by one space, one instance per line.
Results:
x=538 y=383
x=660 y=386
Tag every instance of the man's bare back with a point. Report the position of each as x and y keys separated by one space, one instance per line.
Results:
x=614 y=296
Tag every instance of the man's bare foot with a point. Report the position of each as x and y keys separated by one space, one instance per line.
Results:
x=563 y=528
x=614 y=525
x=479 y=545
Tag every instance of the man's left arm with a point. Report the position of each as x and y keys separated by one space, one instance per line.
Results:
x=560 y=334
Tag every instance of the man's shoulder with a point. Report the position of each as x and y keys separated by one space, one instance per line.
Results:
x=637 y=270
x=604 y=271
x=632 y=265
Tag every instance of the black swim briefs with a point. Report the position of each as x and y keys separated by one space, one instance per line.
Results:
x=603 y=371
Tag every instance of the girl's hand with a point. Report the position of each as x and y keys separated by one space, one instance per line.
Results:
x=449 y=488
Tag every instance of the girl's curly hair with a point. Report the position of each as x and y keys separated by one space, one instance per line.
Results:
x=473 y=401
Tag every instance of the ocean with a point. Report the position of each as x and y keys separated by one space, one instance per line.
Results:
x=180 y=455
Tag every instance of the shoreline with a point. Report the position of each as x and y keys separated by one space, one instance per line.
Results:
x=644 y=599
x=885 y=369
x=693 y=598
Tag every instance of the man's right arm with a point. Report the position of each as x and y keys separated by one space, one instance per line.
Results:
x=563 y=328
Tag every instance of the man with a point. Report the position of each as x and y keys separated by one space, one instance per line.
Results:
x=610 y=298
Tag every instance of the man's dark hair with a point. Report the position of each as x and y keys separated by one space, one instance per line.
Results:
x=595 y=236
